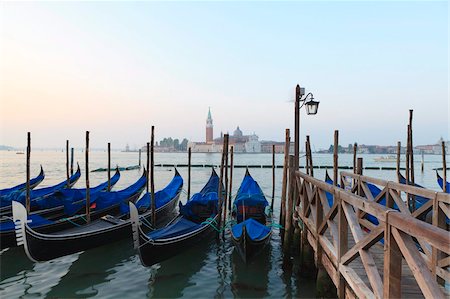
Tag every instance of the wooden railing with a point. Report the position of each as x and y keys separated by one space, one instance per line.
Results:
x=344 y=236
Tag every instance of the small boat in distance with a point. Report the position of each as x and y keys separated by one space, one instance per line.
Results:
x=386 y=159
x=20 y=153
x=252 y=231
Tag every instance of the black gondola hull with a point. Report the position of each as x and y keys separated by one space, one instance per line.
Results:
x=248 y=248
x=155 y=251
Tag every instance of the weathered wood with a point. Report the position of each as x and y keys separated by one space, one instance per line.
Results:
x=88 y=191
x=109 y=166
x=140 y=153
x=230 y=190
x=342 y=245
x=364 y=243
x=408 y=171
x=189 y=173
x=273 y=176
x=67 y=165
x=71 y=161
x=307 y=167
x=444 y=168
x=27 y=194
x=152 y=175
x=411 y=157
x=392 y=266
x=290 y=201
x=225 y=215
x=222 y=163
x=287 y=143
x=309 y=154
x=422 y=166
x=335 y=157
x=355 y=150
x=148 y=168
x=399 y=148
x=417 y=265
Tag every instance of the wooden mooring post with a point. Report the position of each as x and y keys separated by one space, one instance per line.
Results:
x=27 y=194
x=88 y=191
x=152 y=175
x=231 y=178
x=109 y=166
x=399 y=148
x=67 y=165
x=147 y=172
x=189 y=173
x=140 y=152
x=273 y=177
x=225 y=197
x=444 y=168
x=287 y=144
x=289 y=208
x=222 y=164
x=71 y=161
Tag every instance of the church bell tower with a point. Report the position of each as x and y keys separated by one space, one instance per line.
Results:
x=209 y=127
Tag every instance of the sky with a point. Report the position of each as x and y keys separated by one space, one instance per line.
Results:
x=117 y=68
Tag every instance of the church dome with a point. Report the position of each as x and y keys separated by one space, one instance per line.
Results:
x=237 y=132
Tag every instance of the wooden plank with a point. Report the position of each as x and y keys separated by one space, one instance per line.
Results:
x=445 y=262
x=355 y=282
x=423 y=276
x=330 y=268
x=342 y=244
x=444 y=209
x=366 y=257
x=329 y=250
x=365 y=243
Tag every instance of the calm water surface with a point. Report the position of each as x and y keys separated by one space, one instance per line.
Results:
x=211 y=269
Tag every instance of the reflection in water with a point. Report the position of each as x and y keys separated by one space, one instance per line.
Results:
x=251 y=280
x=173 y=276
x=13 y=261
x=90 y=269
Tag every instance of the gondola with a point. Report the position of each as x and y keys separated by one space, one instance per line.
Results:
x=253 y=229
x=193 y=224
x=109 y=228
x=5 y=193
x=5 y=210
x=102 y=203
x=440 y=181
x=420 y=201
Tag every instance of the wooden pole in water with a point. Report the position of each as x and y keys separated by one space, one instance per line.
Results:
x=444 y=168
x=88 y=192
x=411 y=157
x=307 y=158
x=140 y=158
x=309 y=154
x=335 y=157
x=289 y=208
x=407 y=172
x=422 y=164
x=109 y=166
x=222 y=162
x=287 y=144
x=360 y=166
x=231 y=178
x=355 y=150
x=399 y=148
x=71 y=161
x=189 y=174
x=273 y=177
x=27 y=196
x=226 y=188
x=148 y=166
x=67 y=164
x=152 y=176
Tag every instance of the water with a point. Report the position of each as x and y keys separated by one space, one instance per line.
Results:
x=208 y=270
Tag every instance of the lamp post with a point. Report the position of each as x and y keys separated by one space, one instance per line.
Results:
x=311 y=107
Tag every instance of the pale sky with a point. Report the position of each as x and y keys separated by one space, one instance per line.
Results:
x=116 y=68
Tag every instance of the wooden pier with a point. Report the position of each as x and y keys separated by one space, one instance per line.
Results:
x=394 y=254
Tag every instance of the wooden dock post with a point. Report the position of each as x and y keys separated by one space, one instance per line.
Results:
x=222 y=163
x=422 y=164
x=290 y=203
x=399 y=148
x=444 y=169
x=27 y=195
x=407 y=172
x=67 y=164
x=355 y=150
x=287 y=144
x=88 y=191
x=147 y=172
x=109 y=166
x=152 y=176
x=71 y=161
x=189 y=173
x=360 y=166
x=273 y=177
x=307 y=168
x=309 y=155
x=231 y=178
x=226 y=189
x=140 y=158
x=411 y=157
x=335 y=157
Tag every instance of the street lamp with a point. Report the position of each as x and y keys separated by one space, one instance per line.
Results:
x=311 y=109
